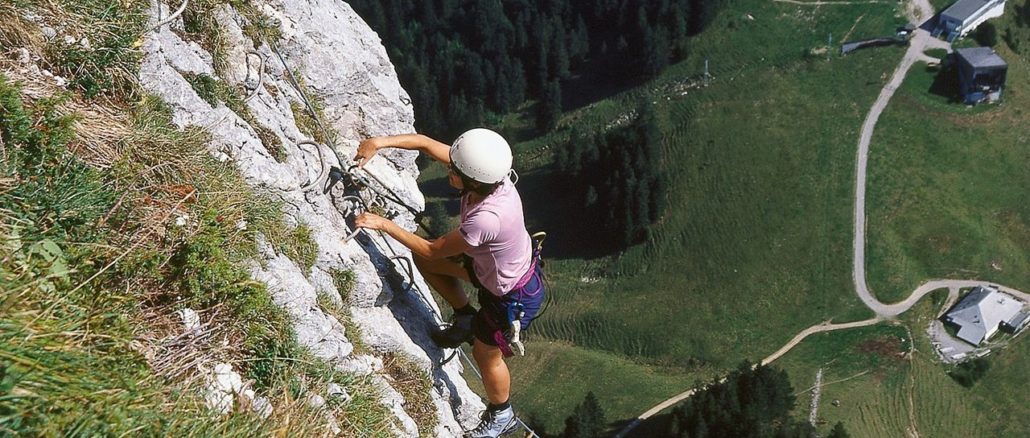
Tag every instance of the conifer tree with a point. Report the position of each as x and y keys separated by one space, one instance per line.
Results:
x=587 y=419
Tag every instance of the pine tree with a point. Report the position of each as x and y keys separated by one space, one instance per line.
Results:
x=549 y=107
x=587 y=419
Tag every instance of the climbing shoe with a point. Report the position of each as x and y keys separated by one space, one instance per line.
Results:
x=494 y=424
x=459 y=331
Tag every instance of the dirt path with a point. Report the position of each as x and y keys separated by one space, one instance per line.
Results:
x=919 y=12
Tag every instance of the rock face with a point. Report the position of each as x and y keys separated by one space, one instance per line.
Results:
x=342 y=63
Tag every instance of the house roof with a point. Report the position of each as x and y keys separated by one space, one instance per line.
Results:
x=1018 y=320
x=981 y=57
x=963 y=9
x=981 y=311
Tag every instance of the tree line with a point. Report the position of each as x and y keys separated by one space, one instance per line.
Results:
x=619 y=177
x=753 y=401
x=463 y=60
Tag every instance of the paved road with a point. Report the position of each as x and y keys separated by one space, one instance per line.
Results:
x=920 y=11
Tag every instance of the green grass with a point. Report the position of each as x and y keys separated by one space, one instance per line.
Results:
x=96 y=261
x=553 y=377
x=107 y=65
x=896 y=395
x=863 y=370
x=947 y=188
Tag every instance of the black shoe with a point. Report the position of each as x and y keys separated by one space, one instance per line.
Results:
x=460 y=331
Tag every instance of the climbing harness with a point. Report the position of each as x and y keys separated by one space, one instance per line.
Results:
x=509 y=336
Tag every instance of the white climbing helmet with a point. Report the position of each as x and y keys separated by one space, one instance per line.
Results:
x=482 y=155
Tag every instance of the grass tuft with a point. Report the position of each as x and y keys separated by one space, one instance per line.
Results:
x=415 y=386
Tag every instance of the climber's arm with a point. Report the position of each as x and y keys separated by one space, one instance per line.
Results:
x=415 y=142
x=448 y=245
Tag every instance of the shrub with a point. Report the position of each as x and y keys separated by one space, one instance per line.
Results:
x=969 y=372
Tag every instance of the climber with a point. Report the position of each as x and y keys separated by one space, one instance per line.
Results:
x=490 y=249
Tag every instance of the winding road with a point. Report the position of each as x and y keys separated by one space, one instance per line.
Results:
x=920 y=12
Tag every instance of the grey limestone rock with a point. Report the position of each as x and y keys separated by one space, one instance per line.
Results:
x=345 y=66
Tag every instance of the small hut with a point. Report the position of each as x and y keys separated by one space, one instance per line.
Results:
x=981 y=74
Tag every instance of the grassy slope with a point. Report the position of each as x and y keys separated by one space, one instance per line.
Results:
x=948 y=187
x=758 y=213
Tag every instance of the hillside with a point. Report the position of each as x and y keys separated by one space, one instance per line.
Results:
x=174 y=259
x=755 y=246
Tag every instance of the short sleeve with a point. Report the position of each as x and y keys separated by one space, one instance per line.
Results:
x=479 y=228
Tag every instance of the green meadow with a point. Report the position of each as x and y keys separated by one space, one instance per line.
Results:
x=886 y=381
x=948 y=186
x=756 y=243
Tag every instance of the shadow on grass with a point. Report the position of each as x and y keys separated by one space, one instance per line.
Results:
x=655 y=426
x=438 y=188
x=571 y=233
x=945 y=83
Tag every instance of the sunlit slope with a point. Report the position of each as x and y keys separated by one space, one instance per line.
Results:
x=948 y=187
x=755 y=245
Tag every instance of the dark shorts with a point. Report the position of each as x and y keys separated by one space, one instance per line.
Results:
x=493 y=310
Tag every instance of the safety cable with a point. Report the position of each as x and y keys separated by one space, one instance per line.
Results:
x=392 y=196
x=321 y=161
x=261 y=74
x=172 y=17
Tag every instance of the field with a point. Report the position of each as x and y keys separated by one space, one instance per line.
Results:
x=948 y=187
x=759 y=219
x=756 y=244
x=884 y=394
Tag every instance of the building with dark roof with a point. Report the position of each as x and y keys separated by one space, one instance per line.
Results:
x=965 y=15
x=981 y=74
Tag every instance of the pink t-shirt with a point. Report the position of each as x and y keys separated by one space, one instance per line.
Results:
x=495 y=228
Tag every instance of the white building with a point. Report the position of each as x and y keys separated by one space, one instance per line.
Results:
x=982 y=312
x=965 y=15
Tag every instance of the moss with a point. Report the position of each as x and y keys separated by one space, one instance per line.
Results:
x=306 y=123
x=296 y=243
x=303 y=248
x=207 y=87
x=259 y=27
x=344 y=282
x=201 y=25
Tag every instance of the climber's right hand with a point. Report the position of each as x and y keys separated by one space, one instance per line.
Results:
x=366 y=150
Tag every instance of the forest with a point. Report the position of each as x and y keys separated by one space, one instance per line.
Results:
x=618 y=176
x=753 y=401
x=465 y=62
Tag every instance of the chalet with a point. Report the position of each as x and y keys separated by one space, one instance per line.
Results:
x=965 y=15
x=982 y=312
x=981 y=74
